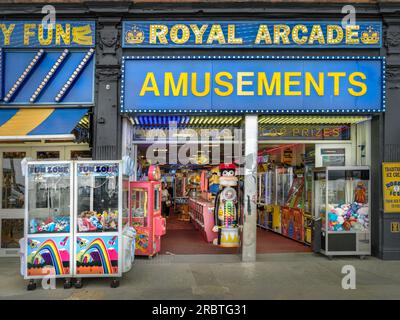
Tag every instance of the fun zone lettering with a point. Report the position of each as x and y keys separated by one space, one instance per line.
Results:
x=98 y=169
x=52 y=169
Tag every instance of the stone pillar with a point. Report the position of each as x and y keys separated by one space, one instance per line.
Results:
x=250 y=189
x=106 y=118
x=390 y=241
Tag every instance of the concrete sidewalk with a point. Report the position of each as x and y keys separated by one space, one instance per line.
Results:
x=273 y=276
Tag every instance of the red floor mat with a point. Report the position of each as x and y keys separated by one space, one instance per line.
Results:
x=183 y=238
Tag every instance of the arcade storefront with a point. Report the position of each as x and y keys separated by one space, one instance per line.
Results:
x=221 y=95
x=46 y=98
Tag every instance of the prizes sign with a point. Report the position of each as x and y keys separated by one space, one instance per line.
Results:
x=251 y=34
x=391 y=187
x=252 y=84
x=34 y=34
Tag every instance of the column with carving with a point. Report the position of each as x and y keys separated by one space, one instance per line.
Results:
x=106 y=119
x=390 y=242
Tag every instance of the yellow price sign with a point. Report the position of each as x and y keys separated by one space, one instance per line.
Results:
x=391 y=187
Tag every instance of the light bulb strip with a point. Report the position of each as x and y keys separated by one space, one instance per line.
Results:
x=84 y=62
x=49 y=75
x=39 y=55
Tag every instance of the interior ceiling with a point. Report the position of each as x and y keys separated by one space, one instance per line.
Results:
x=184 y=121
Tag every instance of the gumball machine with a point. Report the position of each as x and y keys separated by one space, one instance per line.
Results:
x=145 y=213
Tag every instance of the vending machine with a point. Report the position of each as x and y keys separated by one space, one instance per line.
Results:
x=48 y=222
x=145 y=213
x=98 y=211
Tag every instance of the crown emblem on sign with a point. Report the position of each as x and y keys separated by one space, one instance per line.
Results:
x=370 y=36
x=134 y=36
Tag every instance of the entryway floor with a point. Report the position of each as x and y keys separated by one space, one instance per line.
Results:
x=183 y=238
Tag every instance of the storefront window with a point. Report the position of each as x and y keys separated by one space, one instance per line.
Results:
x=11 y=231
x=13 y=182
x=48 y=155
x=81 y=154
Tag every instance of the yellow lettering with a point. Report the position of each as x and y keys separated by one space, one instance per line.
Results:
x=336 y=81
x=281 y=31
x=316 y=34
x=289 y=83
x=263 y=35
x=232 y=35
x=28 y=33
x=331 y=30
x=169 y=83
x=269 y=88
x=206 y=90
x=359 y=84
x=319 y=88
x=199 y=32
x=42 y=40
x=241 y=83
x=185 y=34
x=350 y=34
x=7 y=32
x=65 y=35
x=158 y=31
x=295 y=34
x=222 y=83
x=150 y=79
x=216 y=34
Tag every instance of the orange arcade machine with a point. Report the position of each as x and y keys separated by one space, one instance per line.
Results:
x=145 y=213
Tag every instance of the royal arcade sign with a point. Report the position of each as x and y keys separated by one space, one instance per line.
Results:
x=253 y=84
x=251 y=34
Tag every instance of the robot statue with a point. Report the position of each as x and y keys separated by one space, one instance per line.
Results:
x=226 y=215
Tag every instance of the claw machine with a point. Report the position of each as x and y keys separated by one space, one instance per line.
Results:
x=145 y=207
x=98 y=220
x=48 y=221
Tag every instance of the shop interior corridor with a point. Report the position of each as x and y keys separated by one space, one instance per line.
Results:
x=182 y=238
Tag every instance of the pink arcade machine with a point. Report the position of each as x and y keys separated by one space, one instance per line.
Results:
x=145 y=213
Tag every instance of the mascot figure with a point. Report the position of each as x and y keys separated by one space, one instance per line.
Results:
x=226 y=216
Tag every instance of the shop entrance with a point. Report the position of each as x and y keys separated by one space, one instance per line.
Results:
x=288 y=151
x=193 y=154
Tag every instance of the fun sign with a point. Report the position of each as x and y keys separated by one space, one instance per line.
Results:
x=34 y=34
x=251 y=34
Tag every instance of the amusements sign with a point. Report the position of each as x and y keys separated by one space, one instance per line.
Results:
x=252 y=84
x=35 y=34
x=391 y=187
x=251 y=34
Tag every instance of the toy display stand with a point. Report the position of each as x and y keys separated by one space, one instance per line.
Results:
x=98 y=226
x=201 y=214
x=48 y=240
x=342 y=201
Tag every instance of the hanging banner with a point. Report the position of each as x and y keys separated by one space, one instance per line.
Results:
x=391 y=187
x=236 y=84
x=251 y=34
x=34 y=34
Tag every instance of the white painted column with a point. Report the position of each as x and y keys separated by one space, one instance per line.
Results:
x=250 y=189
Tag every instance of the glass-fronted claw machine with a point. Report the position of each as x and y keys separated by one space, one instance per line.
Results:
x=145 y=207
x=48 y=220
x=342 y=201
x=98 y=220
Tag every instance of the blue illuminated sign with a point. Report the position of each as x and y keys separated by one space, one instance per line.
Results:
x=239 y=84
x=34 y=34
x=251 y=34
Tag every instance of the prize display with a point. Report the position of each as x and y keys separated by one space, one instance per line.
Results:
x=226 y=214
x=145 y=216
x=342 y=202
x=48 y=214
x=98 y=219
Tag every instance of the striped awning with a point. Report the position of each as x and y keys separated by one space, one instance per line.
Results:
x=39 y=123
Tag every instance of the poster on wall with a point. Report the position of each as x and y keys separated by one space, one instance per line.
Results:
x=391 y=187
